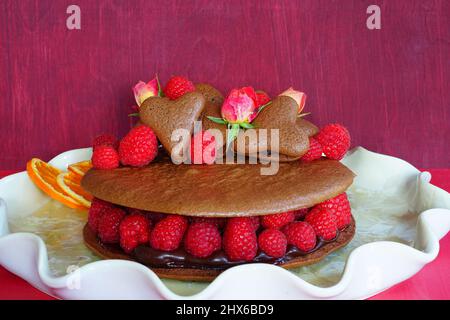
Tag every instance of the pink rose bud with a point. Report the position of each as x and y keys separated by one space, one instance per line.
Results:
x=240 y=106
x=299 y=97
x=143 y=90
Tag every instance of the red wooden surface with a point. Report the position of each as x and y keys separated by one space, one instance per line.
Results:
x=60 y=87
x=432 y=282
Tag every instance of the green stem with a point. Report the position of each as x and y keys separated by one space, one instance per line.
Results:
x=232 y=134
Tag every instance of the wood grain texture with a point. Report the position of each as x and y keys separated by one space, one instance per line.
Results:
x=59 y=88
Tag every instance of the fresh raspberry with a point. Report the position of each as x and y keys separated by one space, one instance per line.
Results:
x=335 y=141
x=105 y=140
x=134 y=230
x=178 y=86
x=105 y=158
x=239 y=240
x=262 y=98
x=139 y=147
x=314 y=151
x=253 y=222
x=277 y=220
x=218 y=222
x=340 y=207
x=272 y=242
x=300 y=214
x=108 y=225
x=301 y=235
x=323 y=223
x=203 y=148
x=168 y=233
x=96 y=211
x=202 y=239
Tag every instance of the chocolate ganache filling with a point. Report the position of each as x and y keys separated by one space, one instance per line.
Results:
x=218 y=261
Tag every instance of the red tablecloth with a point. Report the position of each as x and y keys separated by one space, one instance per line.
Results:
x=432 y=282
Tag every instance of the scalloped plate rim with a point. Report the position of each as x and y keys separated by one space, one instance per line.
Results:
x=57 y=286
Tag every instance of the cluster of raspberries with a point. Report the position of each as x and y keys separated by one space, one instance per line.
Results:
x=241 y=238
x=138 y=148
x=333 y=140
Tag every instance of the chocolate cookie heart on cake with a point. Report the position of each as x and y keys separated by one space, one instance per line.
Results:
x=165 y=116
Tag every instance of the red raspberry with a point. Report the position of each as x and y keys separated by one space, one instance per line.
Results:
x=203 y=148
x=108 y=225
x=301 y=213
x=253 y=222
x=301 y=235
x=314 y=151
x=323 y=223
x=96 y=211
x=139 y=147
x=105 y=140
x=335 y=141
x=272 y=242
x=277 y=220
x=218 y=222
x=168 y=233
x=105 y=158
x=178 y=86
x=340 y=207
x=134 y=230
x=202 y=239
x=262 y=98
x=239 y=240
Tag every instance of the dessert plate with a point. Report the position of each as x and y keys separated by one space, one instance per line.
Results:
x=400 y=218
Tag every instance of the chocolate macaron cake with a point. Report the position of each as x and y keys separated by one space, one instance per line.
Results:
x=195 y=218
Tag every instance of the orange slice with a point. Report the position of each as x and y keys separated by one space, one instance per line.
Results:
x=44 y=176
x=80 y=168
x=71 y=184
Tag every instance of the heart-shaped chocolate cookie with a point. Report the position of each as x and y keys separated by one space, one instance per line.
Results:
x=210 y=93
x=165 y=116
x=213 y=110
x=281 y=114
x=309 y=128
x=214 y=101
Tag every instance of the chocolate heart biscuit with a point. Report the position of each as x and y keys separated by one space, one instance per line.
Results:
x=281 y=114
x=213 y=110
x=164 y=116
x=309 y=128
x=214 y=101
x=210 y=93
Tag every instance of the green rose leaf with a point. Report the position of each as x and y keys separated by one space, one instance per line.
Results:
x=217 y=120
x=160 y=92
x=246 y=125
x=263 y=106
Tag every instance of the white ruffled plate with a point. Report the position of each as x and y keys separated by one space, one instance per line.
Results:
x=384 y=187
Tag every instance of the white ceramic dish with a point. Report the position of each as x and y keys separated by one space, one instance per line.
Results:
x=370 y=268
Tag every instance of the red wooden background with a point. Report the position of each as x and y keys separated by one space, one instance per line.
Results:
x=59 y=88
